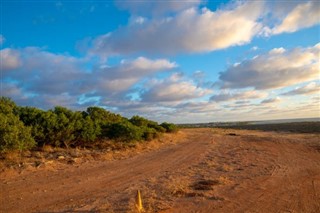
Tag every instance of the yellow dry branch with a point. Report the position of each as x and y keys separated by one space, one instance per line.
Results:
x=139 y=202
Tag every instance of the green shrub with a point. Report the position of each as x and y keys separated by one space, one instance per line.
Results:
x=33 y=118
x=89 y=131
x=139 y=121
x=24 y=127
x=102 y=116
x=150 y=133
x=13 y=134
x=169 y=127
x=67 y=126
x=158 y=128
x=125 y=131
x=7 y=105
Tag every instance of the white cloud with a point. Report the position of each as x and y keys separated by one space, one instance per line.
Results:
x=271 y=100
x=10 y=90
x=276 y=51
x=42 y=76
x=310 y=88
x=44 y=72
x=197 y=107
x=189 y=31
x=238 y=96
x=254 y=48
x=127 y=73
x=173 y=89
x=10 y=59
x=276 y=69
x=302 y=16
x=148 y=65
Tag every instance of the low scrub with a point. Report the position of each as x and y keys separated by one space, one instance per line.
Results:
x=14 y=135
x=169 y=127
x=22 y=128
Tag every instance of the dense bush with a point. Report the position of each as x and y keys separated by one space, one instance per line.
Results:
x=125 y=131
x=24 y=127
x=169 y=127
x=13 y=134
x=150 y=133
x=140 y=121
x=150 y=129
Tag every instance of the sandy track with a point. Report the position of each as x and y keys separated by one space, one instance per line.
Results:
x=254 y=172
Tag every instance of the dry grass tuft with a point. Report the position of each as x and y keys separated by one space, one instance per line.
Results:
x=205 y=184
x=13 y=156
x=224 y=180
x=48 y=148
x=225 y=168
x=178 y=186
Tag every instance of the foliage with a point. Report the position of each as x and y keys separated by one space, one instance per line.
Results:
x=169 y=127
x=102 y=119
x=13 y=134
x=150 y=133
x=33 y=118
x=151 y=129
x=125 y=131
x=90 y=130
x=139 y=121
x=24 y=127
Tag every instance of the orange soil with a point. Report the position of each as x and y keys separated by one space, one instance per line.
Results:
x=207 y=170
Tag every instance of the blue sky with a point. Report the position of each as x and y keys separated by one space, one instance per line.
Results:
x=177 y=61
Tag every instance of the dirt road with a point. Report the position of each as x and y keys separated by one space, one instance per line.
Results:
x=206 y=171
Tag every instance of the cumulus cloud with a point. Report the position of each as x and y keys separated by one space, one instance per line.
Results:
x=271 y=100
x=44 y=72
x=184 y=27
x=278 y=68
x=147 y=8
x=310 y=88
x=34 y=76
x=302 y=16
x=45 y=76
x=40 y=71
x=10 y=59
x=191 y=30
x=239 y=96
x=10 y=90
x=173 y=89
x=122 y=77
x=197 y=107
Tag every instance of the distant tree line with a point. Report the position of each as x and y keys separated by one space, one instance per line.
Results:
x=23 y=128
